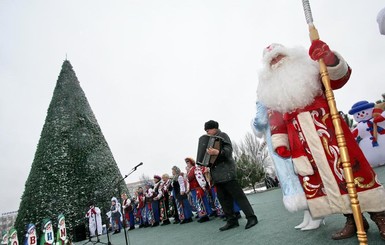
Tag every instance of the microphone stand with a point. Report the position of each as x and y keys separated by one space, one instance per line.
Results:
x=119 y=194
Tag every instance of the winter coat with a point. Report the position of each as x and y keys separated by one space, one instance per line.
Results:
x=224 y=169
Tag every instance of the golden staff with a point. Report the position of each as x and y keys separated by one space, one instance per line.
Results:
x=344 y=156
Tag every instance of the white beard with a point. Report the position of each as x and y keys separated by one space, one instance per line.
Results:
x=291 y=84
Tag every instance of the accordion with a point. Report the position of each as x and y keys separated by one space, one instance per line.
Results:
x=205 y=142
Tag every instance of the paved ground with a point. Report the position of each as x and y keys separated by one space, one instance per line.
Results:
x=276 y=226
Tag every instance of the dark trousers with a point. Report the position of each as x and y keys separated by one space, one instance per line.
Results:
x=228 y=192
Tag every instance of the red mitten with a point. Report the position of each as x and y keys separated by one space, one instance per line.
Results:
x=93 y=211
x=320 y=50
x=283 y=152
x=378 y=119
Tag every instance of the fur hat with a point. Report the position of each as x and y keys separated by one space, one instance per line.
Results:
x=211 y=124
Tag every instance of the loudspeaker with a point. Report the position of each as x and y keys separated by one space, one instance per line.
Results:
x=79 y=233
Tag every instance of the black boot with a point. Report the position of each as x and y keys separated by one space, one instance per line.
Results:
x=251 y=222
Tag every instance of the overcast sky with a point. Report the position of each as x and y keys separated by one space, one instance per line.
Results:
x=155 y=71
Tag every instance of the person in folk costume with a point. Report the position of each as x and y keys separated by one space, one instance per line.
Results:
x=188 y=192
x=4 y=237
x=149 y=212
x=294 y=198
x=173 y=209
x=30 y=235
x=179 y=193
x=61 y=234
x=47 y=236
x=164 y=200
x=212 y=194
x=94 y=219
x=116 y=215
x=12 y=237
x=140 y=207
x=302 y=128
x=198 y=186
x=157 y=195
x=128 y=215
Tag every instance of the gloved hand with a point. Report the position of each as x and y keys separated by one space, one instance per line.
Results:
x=378 y=119
x=320 y=50
x=283 y=152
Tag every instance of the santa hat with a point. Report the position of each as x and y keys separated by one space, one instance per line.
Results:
x=360 y=106
x=60 y=218
x=4 y=233
x=30 y=227
x=12 y=232
x=45 y=223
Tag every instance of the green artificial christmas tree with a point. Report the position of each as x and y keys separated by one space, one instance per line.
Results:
x=73 y=164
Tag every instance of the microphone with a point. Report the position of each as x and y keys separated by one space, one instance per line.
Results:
x=138 y=165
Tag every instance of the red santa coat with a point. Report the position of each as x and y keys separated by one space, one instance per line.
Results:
x=310 y=134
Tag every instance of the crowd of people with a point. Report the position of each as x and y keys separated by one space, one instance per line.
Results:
x=199 y=192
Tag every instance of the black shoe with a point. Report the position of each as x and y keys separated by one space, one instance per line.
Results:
x=165 y=222
x=141 y=225
x=204 y=219
x=229 y=225
x=238 y=215
x=116 y=231
x=185 y=221
x=176 y=221
x=251 y=222
x=132 y=227
x=213 y=214
x=155 y=224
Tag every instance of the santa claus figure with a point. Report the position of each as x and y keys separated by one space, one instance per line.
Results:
x=30 y=235
x=302 y=128
x=47 y=235
x=370 y=131
x=12 y=237
x=61 y=235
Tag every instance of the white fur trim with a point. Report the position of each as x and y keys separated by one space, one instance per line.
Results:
x=370 y=201
x=331 y=187
x=295 y=203
x=338 y=71
x=279 y=140
x=302 y=166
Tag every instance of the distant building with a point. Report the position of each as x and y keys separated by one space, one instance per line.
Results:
x=132 y=187
x=7 y=220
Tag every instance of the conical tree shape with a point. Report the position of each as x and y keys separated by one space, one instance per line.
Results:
x=73 y=163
